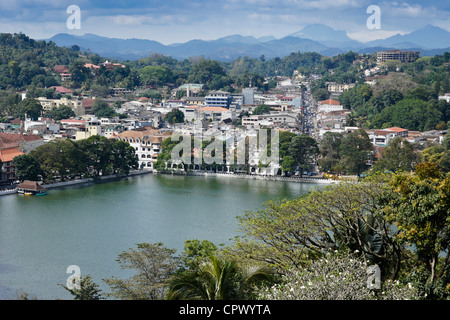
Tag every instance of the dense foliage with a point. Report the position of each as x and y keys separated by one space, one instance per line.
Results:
x=60 y=160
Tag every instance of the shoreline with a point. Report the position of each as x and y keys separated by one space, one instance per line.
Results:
x=81 y=181
x=252 y=177
x=182 y=173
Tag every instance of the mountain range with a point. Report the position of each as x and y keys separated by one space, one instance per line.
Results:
x=429 y=40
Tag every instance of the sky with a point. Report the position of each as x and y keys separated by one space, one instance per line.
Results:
x=175 y=21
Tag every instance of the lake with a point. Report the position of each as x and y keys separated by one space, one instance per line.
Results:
x=89 y=225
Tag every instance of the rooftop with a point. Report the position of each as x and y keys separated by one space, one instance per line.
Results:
x=7 y=155
x=330 y=101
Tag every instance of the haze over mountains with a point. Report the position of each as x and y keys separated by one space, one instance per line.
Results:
x=320 y=38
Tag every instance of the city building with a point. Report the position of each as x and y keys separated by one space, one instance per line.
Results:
x=11 y=146
x=147 y=144
x=218 y=99
x=74 y=104
x=403 y=56
x=328 y=106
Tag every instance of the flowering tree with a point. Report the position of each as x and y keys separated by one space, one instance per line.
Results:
x=335 y=276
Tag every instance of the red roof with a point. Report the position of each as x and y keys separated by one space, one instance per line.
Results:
x=86 y=103
x=382 y=132
x=331 y=101
x=62 y=89
x=397 y=129
x=12 y=140
x=7 y=155
x=60 y=69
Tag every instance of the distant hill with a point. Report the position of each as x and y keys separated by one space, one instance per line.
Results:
x=429 y=37
x=317 y=37
x=327 y=36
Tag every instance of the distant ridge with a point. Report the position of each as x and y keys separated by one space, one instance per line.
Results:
x=319 y=38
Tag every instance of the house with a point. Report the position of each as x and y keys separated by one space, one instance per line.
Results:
x=62 y=90
x=86 y=105
x=11 y=146
x=218 y=99
x=194 y=101
x=147 y=144
x=8 y=170
x=65 y=76
x=399 y=132
x=381 y=137
x=334 y=87
x=403 y=56
x=215 y=113
x=328 y=106
x=60 y=69
x=273 y=118
x=90 y=128
x=445 y=97
x=49 y=104
x=32 y=187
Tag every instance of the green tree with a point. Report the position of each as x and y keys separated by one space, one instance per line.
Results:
x=205 y=71
x=321 y=94
x=354 y=151
x=88 y=290
x=216 y=279
x=174 y=116
x=61 y=112
x=29 y=107
x=419 y=205
x=288 y=234
x=288 y=164
x=155 y=75
x=100 y=109
x=411 y=114
x=400 y=155
x=303 y=149
x=123 y=158
x=154 y=264
x=27 y=168
x=196 y=251
x=335 y=276
x=262 y=109
x=59 y=159
x=446 y=142
x=97 y=151
x=329 y=151
x=439 y=155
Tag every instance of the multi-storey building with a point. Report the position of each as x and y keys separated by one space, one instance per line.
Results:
x=218 y=99
x=147 y=144
x=403 y=56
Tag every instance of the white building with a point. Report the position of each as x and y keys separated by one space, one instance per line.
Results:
x=328 y=106
x=445 y=97
x=147 y=144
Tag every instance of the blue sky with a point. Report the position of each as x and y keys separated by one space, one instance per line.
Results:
x=172 y=21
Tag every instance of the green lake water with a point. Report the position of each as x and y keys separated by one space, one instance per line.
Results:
x=89 y=225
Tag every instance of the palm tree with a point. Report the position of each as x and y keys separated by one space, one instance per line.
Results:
x=216 y=279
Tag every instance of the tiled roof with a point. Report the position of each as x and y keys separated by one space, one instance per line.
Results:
x=30 y=185
x=397 y=129
x=331 y=101
x=61 y=89
x=9 y=154
x=11 y=140
x=214 y=109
